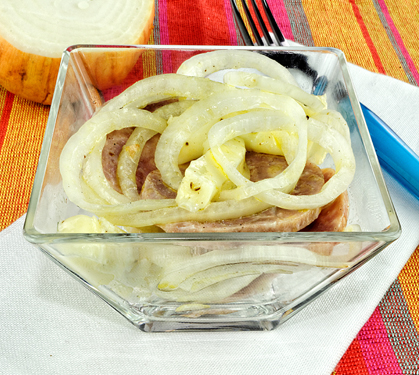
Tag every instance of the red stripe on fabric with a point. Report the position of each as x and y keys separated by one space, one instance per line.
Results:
x=202 y=23
x=367 y=37
x=376 y=346
x=352 y=359
x=5 y=116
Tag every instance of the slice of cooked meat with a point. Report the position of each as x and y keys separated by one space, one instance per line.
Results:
x=334 y=216
x=273 y=219
x=110 y=154
x=113 y=146
x=146 y=163
x=155 y=188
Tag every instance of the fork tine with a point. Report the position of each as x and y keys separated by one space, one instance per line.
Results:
x=252 y=24
x=275 y=29
x=261 y=23
x=240 y=23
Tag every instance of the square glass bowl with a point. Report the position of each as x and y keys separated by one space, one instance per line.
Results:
x=212 y=275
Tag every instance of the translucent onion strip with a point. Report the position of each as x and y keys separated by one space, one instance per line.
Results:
x=207 y=63
x=214 y=293
x=223 y=272
x=176 y=274
x=94 y=176
x=173 y=109
x=310 y=103
x=332 y=119
x=253 y=122
x=204 y=114
x=215 y=211
x=340 y=150
x=128 y=161
x=162 y=87
x=82 y=143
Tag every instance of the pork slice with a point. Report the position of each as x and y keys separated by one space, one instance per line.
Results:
x=273 y=219
x=146 y=163
x=110 y=154
x=334 y=216
x=155 y=188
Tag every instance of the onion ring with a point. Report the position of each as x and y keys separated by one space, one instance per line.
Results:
x=203 y=64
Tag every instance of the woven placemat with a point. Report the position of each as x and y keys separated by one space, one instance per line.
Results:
x=381 y=36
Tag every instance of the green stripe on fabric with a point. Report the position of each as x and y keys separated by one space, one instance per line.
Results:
x=299 y=23
x=156 y=35
x=401 y=330
x=395 y=43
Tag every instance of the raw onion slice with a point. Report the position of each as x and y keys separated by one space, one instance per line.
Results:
x=183 y=130
x=215 y=211
x=213 y=275
x=204 y=177
x=177 y=273
x=207 y=63
x=332 y=119
x=340 y=150
x=253 y=122
x=173 y=109
x=162 y=87
x=214 y=293
x=94 y=176
x=34 y=34
x=128 y=161
x=310 y=103
x=91 y=134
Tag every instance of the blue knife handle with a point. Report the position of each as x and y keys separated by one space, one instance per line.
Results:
x=395 y=156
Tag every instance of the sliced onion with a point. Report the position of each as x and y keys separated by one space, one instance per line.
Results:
x=128 y=162
x=203 y=115
x=215 y=211
x=287 y=255
x=223 y=272
x=332 y=119
x=253 y=122
x=82 y=143
x=340 y=150
x=162 y=87
x=173 y=109
x=95 y=177
x=204 y=178
x=203 y=64
x=211 y=294
x=310 y=103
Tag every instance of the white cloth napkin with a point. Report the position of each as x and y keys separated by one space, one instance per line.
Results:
x=50 y=324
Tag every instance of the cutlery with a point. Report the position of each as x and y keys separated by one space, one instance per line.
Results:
x=394 y=155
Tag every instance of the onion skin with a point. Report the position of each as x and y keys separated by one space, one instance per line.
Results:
x=33 y=77
x=27 y=75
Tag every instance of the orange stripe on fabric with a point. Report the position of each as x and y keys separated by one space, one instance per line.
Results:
x=367 y=37
x=333 y=24
x=19 y=157
x=409 y=282
x=149 y=61
x=373 y=21
x=352 y=359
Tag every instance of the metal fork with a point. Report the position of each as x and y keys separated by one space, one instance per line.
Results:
x=392 y=152
x=280 y=40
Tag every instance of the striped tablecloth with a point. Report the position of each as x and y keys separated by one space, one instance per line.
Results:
x=379 y=35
